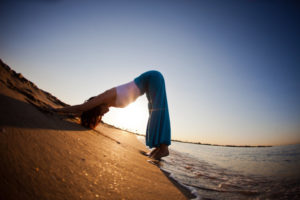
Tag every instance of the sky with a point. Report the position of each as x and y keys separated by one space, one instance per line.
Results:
x=231 y=68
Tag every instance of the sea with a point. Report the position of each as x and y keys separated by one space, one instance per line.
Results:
x=220 y=172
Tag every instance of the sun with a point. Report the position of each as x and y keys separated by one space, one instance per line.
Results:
x=133 y=118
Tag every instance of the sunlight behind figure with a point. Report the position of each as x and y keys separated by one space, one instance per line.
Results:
x=132 y=118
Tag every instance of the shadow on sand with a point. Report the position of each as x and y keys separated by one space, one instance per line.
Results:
x=16 y=113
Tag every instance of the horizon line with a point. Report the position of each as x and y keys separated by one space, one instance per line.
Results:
x=200 y=143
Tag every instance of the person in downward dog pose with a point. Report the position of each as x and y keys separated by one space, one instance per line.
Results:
x=158 y=132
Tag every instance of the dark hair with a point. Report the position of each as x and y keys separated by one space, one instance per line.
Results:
x=92 y=117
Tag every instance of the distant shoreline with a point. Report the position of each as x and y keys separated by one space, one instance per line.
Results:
x=228 y=145
x=199 y=143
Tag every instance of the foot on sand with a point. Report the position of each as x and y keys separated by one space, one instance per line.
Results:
x=150 y=154
x=161 y=152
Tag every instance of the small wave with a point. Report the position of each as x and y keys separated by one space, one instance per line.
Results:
x=194 y=194
x=246 y=192
x=206 y=179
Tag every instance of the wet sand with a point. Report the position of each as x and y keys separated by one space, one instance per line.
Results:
x=46 y=156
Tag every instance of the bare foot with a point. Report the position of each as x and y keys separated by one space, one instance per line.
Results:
x=152 y=152
x=162 y=152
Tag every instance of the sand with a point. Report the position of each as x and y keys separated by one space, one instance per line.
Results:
x=46 y=156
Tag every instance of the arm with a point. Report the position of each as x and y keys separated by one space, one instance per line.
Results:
x=108 y=98
x=73 y=110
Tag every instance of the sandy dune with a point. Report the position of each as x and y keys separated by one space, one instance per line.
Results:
x=44 y=156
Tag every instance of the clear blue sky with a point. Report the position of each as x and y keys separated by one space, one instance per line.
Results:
x=232 y=68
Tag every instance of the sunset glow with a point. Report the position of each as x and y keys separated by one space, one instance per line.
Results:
x=133 y=117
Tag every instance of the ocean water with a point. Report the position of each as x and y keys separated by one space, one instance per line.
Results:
x=216 y=172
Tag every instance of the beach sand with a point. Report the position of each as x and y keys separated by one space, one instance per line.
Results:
x=46 y=156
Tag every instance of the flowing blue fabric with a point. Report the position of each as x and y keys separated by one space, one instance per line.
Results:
x=158 y=128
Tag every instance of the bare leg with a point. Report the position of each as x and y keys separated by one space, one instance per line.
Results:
x=108 y=97
x=162 y=152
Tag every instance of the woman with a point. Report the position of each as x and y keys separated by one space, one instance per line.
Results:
x=158 y=134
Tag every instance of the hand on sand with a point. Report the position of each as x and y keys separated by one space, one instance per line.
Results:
x=67 y=112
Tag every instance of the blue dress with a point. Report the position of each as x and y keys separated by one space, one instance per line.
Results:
x=158 y=128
